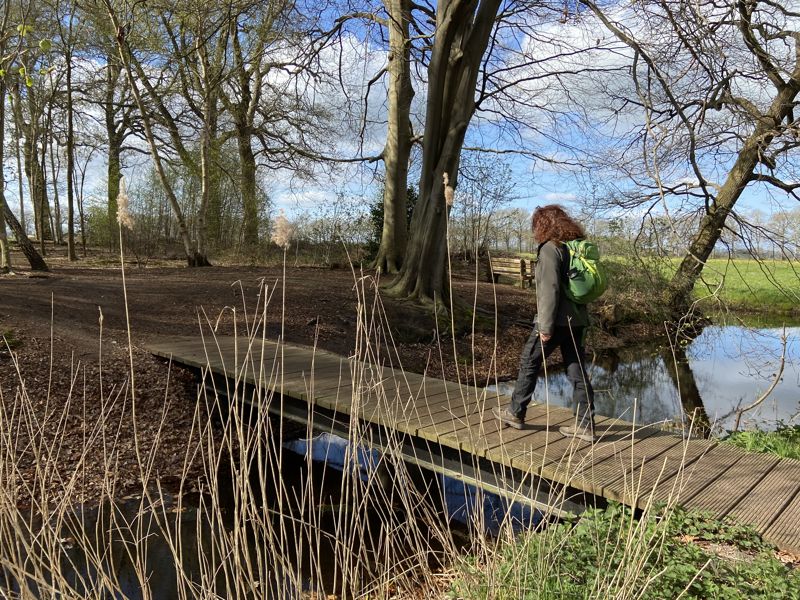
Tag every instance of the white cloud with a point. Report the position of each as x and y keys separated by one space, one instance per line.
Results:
x=559 y=197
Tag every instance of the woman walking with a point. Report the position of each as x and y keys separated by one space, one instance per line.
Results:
x=560 y=323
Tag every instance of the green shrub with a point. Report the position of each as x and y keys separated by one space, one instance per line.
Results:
x=783 y=442
x=631 y=286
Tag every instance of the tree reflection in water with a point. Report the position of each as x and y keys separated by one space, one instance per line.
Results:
x=697 y=386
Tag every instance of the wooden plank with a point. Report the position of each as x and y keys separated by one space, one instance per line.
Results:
x=783 y=531
x=767 y=499
x=430 y=397
x=648 y=477
x=622 y=469
x=467 y=433
x=451 y=405
x=461 y=431
x=539 y=420
x=562 y=457
x=686 y=483
x=616 y=439
x=722 y=492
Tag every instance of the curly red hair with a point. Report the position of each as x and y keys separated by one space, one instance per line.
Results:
x=552 y=223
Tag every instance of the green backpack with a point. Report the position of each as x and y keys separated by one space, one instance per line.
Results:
x=586 y=276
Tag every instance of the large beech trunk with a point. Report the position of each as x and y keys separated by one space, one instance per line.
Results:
x=398 y=140
x=462 y=35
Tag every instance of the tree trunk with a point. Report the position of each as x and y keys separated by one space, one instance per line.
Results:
x=55 y=170
x=34 y=171
x=461 y=38
x=114 y=169
x=247 y=182
x=70 y=160
x=679 y=293
x=18 y=136
x=205 y=192
x=28 y=249
x=242 y=111
x=193 y=257
x=214 y=216
x=38 y=192
x=5 y=252
x=397 y=151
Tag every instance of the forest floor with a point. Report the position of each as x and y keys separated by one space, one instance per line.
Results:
x=68 y=368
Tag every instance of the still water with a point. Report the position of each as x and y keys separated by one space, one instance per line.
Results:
x=311 y=523
x=725 y=368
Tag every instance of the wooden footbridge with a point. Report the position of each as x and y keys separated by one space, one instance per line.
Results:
x=448 y=427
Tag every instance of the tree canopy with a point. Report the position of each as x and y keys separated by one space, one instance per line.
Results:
x=663 y=110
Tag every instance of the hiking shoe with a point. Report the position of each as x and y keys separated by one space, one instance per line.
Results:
x=508 y=418
x=582 y=433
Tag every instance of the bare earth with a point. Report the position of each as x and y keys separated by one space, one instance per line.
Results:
x=74 y=370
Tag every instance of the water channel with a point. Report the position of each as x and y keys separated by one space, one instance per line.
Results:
x=725 y=368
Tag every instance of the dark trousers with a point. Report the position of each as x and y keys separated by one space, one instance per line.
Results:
x=535 y=352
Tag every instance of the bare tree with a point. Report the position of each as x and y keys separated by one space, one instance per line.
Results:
x=486 y=186
x=718 y=85
x=137 y=75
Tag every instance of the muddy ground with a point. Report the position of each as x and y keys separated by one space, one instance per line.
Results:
x=69 y=355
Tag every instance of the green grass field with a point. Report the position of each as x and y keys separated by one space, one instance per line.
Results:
x=743 y=283
x=771 y=285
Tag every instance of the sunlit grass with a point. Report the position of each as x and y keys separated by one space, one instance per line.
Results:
x=742 y=283
x=611 y=553
x=771 y=285
x=783 y=442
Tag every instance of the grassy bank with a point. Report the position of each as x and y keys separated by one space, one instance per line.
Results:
x=746 y=285
x=783 y=442
x=610 y=553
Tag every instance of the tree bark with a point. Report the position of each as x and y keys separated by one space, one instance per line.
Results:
x=247 y=183
x=462 y=35
x=193 y=257
x=114 y=168
x=5 y=252
x=243 y=111
x=71 y=255
x=397 y=151
x=18 y=136
x=55 y=169
x=28 y=249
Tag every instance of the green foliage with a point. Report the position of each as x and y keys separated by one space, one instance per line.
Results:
x=611 y=554
x=631 y=285
x=783 y=442
x=376 y=218
x=98 y=232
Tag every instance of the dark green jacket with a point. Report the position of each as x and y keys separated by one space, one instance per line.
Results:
x=552 y=307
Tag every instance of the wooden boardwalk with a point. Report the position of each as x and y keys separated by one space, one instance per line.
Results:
x=632 y=464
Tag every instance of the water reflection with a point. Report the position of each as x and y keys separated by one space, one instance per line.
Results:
x=312 y=512
x=725 y=368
